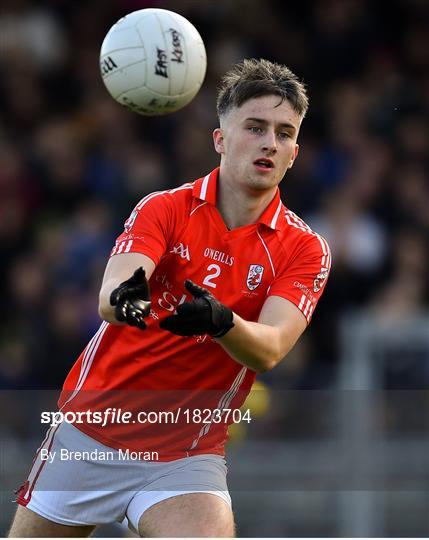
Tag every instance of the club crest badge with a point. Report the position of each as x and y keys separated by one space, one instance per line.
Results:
x=319 y=281
x=254 y=276
x=130 y=221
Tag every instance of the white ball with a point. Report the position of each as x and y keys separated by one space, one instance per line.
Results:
x=153 y=61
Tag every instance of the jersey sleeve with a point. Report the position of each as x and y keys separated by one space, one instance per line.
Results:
x=148 y=228
x=303 y=280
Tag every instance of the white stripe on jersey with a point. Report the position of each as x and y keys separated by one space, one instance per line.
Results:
x=228 y=397
x=149 y=197
x=89 y=349
x=224 y=402
x=276 y=215
x=298 y=220
x=88 y=359
x=307 y=307
x=122 y=245
x=199 y=206
x=204 y=187
x=300 y=224
x=120 y=248
x=188 y=185
x=268 y=253
x=325 y=262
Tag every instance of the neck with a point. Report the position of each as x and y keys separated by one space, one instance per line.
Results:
x=239 y=208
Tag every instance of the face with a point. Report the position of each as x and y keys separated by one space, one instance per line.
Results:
x=257 y=143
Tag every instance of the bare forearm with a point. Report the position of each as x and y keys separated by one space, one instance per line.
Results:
x=105 y=310
x=119 y=269
x=255 y=345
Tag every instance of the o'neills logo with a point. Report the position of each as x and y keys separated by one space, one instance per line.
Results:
x=219 y=256
x=254 y=276
x=319 y=280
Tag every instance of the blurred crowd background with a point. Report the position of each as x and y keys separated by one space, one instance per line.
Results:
x=73 y=164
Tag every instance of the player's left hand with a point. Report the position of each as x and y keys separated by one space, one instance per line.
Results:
x=202 y=315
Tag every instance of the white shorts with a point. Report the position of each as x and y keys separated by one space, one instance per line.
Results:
x=104 y=487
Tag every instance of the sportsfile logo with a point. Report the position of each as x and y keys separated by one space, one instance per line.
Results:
x=182 y=251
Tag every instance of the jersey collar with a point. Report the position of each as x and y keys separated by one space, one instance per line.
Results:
x=205 y=190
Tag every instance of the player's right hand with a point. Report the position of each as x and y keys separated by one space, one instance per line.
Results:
x=132 y=300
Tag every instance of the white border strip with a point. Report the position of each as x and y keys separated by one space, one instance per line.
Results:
x=224 y=401
x=204 y=187
x=268 y=253
x=276 y=215
x=87 y=361
x=38 y=462
x=199 y=206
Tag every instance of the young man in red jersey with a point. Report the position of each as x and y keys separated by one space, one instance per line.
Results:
x=209 y=284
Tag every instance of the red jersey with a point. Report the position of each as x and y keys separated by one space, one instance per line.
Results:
x=182 y=231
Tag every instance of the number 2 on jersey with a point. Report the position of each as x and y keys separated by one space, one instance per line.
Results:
x=208 y=280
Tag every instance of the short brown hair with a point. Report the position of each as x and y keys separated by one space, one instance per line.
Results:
x=256 y=78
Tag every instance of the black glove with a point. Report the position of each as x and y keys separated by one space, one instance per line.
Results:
x=132 y=300
x=202 y=315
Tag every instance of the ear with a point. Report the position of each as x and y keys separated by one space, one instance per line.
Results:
x=218 y=141
x=295 y=153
